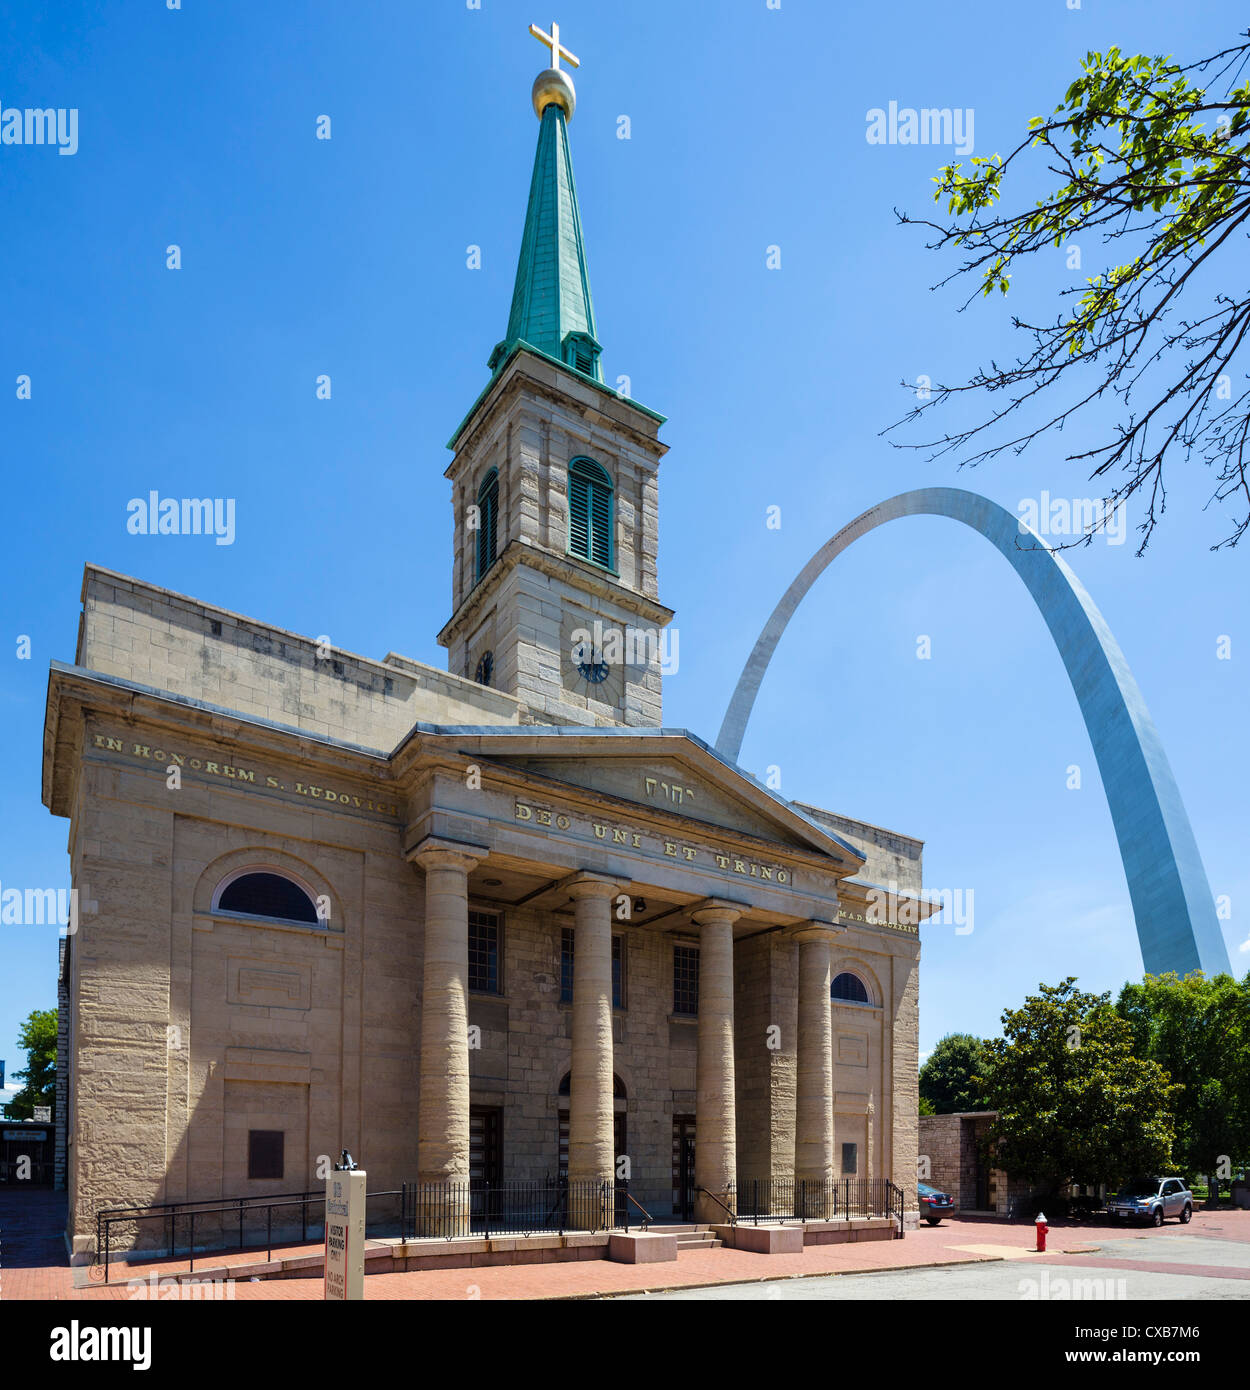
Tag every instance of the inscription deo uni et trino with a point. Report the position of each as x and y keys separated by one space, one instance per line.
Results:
x=671 y=849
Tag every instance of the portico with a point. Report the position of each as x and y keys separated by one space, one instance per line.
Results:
x=586 y=831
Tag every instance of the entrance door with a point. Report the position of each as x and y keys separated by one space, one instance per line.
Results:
x=683 y=1167
x=485 y=1144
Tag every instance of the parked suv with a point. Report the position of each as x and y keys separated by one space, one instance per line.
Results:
x=1152 y=1199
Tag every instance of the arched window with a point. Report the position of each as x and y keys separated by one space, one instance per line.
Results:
x=590 y=512
x=264 y=894
x=618 y=1086
x=488 y=521
x=849 y=989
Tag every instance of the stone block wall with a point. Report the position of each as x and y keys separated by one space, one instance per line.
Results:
x=147 y=634
x=61 y=1114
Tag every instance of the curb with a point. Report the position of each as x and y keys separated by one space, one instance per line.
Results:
x=766 y=1279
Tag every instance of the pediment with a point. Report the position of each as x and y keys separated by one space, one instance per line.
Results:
x=665 y=772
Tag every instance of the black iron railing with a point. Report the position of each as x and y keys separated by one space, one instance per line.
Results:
x=219 y=1220
x=813 y=1199
x=724 y=1199
x=625 y=1200
x=462 y=1208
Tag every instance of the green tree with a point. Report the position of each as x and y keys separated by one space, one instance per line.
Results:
x=37 y=1038
x=1198 y=1030
x=1154 y=163
x=1074 y=1103
x=950 y=1079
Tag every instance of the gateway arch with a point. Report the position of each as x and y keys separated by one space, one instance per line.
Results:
x=1172 y=903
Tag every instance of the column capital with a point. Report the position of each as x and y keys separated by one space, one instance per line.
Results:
x=818 y=931
x=436 y=853
x=712 y=910
x=588 y=884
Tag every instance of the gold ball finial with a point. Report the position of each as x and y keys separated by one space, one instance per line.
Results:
x=554 y=88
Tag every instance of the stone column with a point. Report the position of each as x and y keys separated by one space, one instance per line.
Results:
x=813 y=1128
x=716 y=1142
x=591 y=1157
x=443 y=1118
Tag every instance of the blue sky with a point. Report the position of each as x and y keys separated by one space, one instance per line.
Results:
x=348 y=257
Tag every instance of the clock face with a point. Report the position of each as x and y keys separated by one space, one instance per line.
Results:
x=592 y=669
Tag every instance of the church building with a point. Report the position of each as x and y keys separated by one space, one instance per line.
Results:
x=491 y=925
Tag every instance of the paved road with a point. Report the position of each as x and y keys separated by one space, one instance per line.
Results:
x=1184 y=1267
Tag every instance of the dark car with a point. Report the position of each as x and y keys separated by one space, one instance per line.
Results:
x=1152 y=1199
x=934 y=1205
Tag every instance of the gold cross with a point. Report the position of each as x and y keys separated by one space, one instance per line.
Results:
x=552 y=41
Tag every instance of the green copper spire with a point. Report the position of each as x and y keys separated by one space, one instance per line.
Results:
x=552 y=309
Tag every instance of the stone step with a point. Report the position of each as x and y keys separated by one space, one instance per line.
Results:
x=699 y=1243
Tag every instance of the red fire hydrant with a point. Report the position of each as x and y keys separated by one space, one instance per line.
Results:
x=1042 y=1228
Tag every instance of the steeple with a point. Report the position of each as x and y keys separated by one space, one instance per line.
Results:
x=552 y=308
x=554 y=484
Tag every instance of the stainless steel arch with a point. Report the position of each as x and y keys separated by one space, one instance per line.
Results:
x=1175 y=914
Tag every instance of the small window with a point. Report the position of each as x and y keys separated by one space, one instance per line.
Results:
x=686 y=980
x=268 y=895
x=485 y=669
x=265 y=1154
x=850 y=1160
x=566 y=968
x=488 y=523
x=581 y=352
x=484 y=952
x=849 y=989
x=590 y=512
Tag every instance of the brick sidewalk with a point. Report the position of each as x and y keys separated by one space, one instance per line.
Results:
x=33 y=1263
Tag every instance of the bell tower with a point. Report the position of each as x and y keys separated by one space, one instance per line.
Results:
x=554 y=482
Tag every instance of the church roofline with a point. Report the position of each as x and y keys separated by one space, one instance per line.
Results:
x=390 y=664
x=856 y=820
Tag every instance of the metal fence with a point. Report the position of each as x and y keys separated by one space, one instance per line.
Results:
x=475 y=1207
x=161 y=1230
x=813 y=1199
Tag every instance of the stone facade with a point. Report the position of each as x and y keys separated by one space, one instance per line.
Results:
x=188 y=1026
x=60 y=1164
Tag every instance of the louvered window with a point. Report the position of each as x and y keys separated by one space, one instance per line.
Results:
x=581 y=352
x=590 y=512
x=488 y=521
